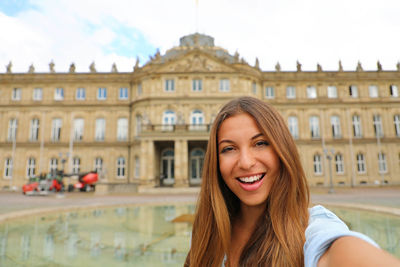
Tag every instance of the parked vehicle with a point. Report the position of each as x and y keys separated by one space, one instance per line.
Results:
x=44 y=184
x=87 y=182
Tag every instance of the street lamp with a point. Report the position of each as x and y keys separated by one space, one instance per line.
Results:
x=329 y=156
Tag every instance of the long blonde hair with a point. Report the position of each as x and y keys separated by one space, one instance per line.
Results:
x=279 y=236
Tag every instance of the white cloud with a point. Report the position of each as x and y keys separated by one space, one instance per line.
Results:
x=311 y=31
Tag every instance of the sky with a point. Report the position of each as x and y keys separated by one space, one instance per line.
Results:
x=120 y=31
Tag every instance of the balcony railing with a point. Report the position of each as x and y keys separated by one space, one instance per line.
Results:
x=167 y=128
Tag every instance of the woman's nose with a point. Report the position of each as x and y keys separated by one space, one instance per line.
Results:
x=246 y=159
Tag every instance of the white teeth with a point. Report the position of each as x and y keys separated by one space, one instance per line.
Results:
x=250 y=179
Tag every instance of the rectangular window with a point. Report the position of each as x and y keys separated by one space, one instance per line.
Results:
x=56 y=129
x=123 y=93
x=396 y=121
x=76 y=165
x=78 y=129
x=122 y=129
x=197 y=85
x=353 y=91
x=254 y=88
x=31 y=167
x=59 y=94
x=269 y=92
x=373 y=91
x=335 y=124
x=8 y=168
x=100 y=129
x=382 y=163
x=16 y=94
x=293 y=126
x=290 y=92
x=34 y=130
x=37 y=94
x=102 y=94
x=394 y=90
x=80 y=94
x=12 y=129
x=332 y=92
x=169 y=85
x=311 y=92
x=224 y=85
x=378 y=126
x=314 y=127
x=357 y=130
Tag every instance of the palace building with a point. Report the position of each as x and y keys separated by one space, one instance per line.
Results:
x=150 y=127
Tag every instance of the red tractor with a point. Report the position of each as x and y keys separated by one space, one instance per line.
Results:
x=87 y=182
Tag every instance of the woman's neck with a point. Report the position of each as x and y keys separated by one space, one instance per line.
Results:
x=249 y=215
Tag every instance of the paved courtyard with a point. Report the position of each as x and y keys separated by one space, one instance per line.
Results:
x=13 y=204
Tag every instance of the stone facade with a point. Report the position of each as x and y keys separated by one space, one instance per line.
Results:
x=150 y=126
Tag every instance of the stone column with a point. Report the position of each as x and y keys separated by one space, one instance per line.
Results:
x=147 y=163
x=181 y=163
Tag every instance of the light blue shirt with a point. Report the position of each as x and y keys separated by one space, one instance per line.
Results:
x=324 y=227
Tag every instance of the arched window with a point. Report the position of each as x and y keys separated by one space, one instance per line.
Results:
x=317 y=164
x=357 y=129
x=76 y=165
x=382 y=163
x=31 y=167
x=138 y=128
x=167 y=166
x=168 y=120
x=8 y=168
x=121 y=167
x=335 y=124
x=100 y=130
x=361 y=166
x=53 y=165
x=34 y=130
x=314 y=127
x=196 y=165
x=339 y=164
x=98 y=164
x=396 y=121
x=197 y=120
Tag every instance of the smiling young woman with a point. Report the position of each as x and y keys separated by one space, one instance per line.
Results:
x=253 y=204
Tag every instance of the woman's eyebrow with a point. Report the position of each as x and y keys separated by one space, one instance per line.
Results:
x=257 y=135
x=225 y=141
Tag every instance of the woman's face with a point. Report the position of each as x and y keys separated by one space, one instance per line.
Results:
x=248 y=164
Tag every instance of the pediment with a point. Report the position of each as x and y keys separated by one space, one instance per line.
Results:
x=196 y=62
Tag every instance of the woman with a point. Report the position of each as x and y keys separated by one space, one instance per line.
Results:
x=253 y=204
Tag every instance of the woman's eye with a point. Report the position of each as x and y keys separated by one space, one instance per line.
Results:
x=262 y=143
x=226 y=149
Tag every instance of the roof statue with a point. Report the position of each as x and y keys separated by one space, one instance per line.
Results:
x=51 y=67
x=137 y=63
x=298 y=65
x=319 y=67
x=278 y=67
x=114 y=68
x=72 y=68
x=359 y=67
x=257 y=64
x=397 y=66
x=236 y=57
x=379 y=66
x=31 y=69
x=9 y=67
x=340 y=66
x=92 y=67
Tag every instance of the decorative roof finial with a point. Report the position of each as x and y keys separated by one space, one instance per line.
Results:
x=137 y=63
x=31 y=69
x=359 y=67
x=319 y=67
x=257 y=64
x=72 y=68
x=340 y=66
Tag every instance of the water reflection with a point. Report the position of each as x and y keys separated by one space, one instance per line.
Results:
x=135 y=236
x=138 y=236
